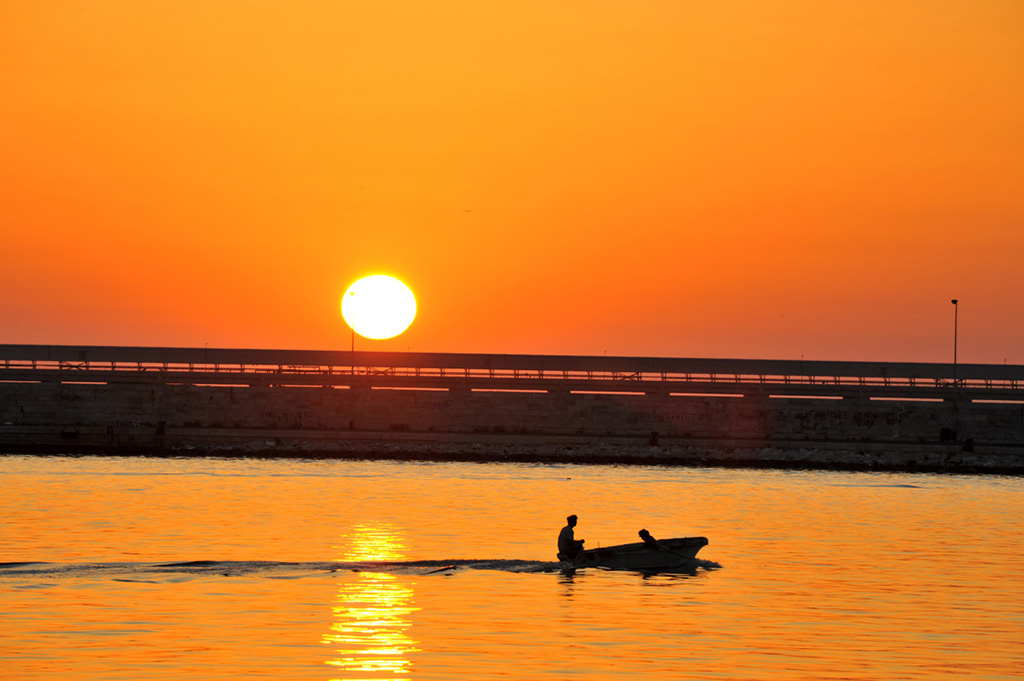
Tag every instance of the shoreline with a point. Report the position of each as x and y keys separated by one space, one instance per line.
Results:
x=848 y=457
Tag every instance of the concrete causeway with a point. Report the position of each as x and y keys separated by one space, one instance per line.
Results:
x=859 y=415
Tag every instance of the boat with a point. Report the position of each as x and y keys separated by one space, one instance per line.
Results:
x=648 y=556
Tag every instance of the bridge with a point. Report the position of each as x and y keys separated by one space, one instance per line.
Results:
x=67 y=399
x=503 y=372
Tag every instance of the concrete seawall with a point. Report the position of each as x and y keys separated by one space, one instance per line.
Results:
x=179 y=418
x=62 y=412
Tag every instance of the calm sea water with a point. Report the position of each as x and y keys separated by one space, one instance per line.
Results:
x=371 y=570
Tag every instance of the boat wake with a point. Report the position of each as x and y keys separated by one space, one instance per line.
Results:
x=41 y=573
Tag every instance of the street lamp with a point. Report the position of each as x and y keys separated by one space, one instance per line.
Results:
x=956 y=378
x=956 y=311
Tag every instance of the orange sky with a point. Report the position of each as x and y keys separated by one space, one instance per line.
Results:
x=667 y=177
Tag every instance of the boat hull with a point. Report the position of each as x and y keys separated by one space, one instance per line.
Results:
x=669 y=554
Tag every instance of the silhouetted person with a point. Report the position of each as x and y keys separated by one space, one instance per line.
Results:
x=648 y=539
x=568 y=545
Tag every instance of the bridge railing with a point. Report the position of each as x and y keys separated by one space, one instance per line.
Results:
x=200 y=364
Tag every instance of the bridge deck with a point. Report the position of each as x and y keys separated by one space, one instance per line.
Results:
x=546 y=373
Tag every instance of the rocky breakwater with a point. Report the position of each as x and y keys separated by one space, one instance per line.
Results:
x=924 y=459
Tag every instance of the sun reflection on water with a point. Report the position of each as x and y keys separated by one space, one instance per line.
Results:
x=372 y=543
x=371 y=612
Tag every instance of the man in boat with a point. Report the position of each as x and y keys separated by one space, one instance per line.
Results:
x=568 y=545
x=649 y=540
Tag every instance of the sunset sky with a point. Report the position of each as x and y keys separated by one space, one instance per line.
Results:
x=680 y=178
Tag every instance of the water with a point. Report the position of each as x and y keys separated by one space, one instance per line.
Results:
x=218 y=569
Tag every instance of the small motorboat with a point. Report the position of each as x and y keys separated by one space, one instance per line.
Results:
x=647 y=556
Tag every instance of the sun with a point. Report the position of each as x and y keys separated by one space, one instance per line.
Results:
x=378 y=307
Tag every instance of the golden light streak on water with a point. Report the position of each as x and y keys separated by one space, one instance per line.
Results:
x=371 y=614
x=366 y=543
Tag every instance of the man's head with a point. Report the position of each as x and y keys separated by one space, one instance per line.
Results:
x=572 y=521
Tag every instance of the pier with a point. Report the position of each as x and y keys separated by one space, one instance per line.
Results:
x=124 y=398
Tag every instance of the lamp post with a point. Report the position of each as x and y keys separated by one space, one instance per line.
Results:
x=956 y=311
x=956 y=377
